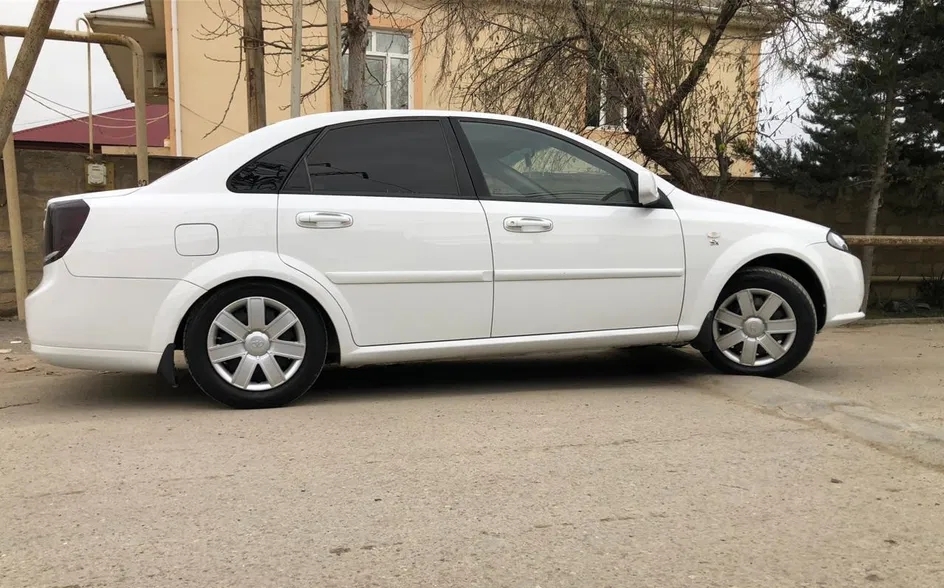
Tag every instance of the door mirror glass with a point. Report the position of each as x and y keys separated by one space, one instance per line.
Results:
x=648 y=189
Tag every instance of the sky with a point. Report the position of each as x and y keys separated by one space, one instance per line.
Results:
x=60 y=78
x=61 y=73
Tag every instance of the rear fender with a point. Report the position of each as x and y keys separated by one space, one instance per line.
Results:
x=242 y=265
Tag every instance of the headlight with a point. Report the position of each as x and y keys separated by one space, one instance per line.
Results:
x=836 y=240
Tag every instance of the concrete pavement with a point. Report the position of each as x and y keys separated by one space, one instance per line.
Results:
x=895 y=368
x=616 y=469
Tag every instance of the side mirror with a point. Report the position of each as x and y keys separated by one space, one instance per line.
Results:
x=648 y=189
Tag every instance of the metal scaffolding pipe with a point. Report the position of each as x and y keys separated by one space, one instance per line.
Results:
x=140 y=110
x=895 y=241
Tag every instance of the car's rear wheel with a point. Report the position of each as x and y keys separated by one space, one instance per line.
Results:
x=763 y=324
x=255 y=345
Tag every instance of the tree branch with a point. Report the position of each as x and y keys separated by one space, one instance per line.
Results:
x=726 y=14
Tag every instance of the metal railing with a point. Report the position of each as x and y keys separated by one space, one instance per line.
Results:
x=896 y=241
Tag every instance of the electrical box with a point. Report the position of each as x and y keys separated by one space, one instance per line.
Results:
x=159 y=71
x=99 y=175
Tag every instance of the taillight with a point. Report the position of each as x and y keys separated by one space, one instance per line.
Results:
x=64 y=221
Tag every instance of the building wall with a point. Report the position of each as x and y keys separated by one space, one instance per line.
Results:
x=213 y=95
x=46 y=174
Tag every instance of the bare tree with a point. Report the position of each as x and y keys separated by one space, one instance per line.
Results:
x=674 y=81
x=277 y=42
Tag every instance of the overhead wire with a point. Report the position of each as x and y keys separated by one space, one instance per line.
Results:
x=38 y=100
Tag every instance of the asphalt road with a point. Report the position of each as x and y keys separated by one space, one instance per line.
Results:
x=618 y=469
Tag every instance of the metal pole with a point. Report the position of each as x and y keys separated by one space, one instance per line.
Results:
x=296 y=58
x=254 y=48
x=895 y=240
x=140 y=113
x=88 y=61
x=13 y=204
x=33 y=38
x=334 y=54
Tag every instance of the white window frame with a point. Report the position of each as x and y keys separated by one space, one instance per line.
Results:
x=386 y=55
x=601 y=100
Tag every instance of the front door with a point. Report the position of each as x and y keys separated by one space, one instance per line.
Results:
x=572 y=249
x=380 y=209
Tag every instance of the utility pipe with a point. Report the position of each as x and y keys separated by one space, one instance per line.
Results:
x=88 y=57
x=175 y=47
x=140 y=106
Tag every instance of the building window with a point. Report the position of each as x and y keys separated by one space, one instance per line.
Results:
x=387 y=82
x=605 y=106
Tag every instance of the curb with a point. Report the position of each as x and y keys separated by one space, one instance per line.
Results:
x=921 y=443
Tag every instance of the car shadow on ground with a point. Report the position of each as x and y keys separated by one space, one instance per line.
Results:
x=644 y=367
x=632 y=368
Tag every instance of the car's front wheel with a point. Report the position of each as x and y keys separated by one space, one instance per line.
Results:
x=255 y=345
x=763 y=324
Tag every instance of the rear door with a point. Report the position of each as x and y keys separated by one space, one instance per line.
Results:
x=385 y=211
x=573 y=251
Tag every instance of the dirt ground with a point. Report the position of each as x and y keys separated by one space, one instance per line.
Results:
x=613 y=469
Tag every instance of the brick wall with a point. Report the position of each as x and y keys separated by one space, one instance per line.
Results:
x=45 y=174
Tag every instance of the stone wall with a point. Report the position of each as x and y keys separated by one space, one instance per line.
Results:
x=847 y=215
x=45 y=174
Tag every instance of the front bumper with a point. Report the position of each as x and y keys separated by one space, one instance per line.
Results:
x=843 y=284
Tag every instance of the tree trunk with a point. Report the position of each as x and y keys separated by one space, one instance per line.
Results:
x=875 y=191
x=254 y=48
x=724 y=167
x=685 y=174
x=23 y=66
x=357 y=38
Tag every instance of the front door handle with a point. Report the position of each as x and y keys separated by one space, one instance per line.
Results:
x=323 y=220
x=528 y=224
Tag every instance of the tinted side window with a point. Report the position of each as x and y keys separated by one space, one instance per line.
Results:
x=389 y=158
x=532 y=166
x=266 y=173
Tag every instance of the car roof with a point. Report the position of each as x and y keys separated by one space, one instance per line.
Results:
x=342 y=116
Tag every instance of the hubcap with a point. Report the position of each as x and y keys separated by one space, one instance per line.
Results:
x=256 y=344
x=754 y=327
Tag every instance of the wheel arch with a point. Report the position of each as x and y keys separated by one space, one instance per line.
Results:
x=800 y=271
x=334 y=344
x=784 y=260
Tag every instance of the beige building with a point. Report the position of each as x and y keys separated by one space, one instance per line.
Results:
x=193 y=58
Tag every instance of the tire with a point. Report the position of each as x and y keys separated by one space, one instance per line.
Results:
x=777 y=350
x=256 y=371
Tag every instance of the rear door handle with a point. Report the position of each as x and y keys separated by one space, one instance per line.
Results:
x=323 y=220
x=528 y=224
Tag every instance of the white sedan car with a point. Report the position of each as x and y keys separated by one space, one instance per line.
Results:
x=372 y=237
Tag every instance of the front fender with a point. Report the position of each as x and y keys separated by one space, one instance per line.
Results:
x=248 y=264
x=710 y=267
